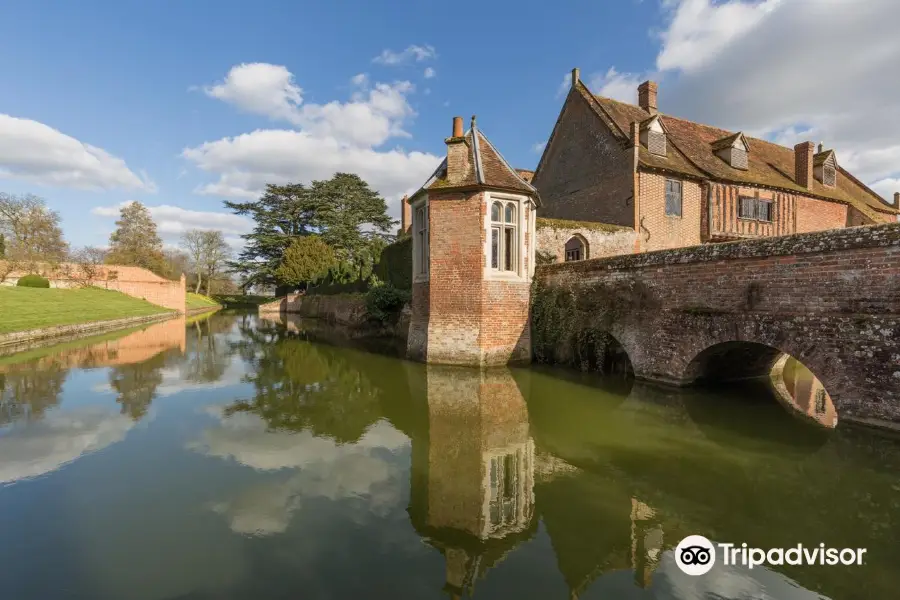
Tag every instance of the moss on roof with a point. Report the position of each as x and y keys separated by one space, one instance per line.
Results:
x=543 y=222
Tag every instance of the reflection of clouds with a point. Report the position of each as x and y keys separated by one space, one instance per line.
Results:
x=731 y=583
x=323 y=469
x=57 y=439
x=174 y=382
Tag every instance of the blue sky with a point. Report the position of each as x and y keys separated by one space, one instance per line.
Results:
x=181 y=105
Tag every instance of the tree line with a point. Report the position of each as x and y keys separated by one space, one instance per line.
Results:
x=330 y=231
x=32 y=241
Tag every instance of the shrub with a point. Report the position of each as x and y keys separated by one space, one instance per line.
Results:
x=395 y=264
x=384 y=303
x=33 y=281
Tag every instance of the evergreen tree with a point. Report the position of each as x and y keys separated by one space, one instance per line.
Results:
x=135 y=241
x=306 y=261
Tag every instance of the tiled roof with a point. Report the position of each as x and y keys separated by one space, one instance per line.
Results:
x=525 y=174
x=691 y=153
x=487 y=167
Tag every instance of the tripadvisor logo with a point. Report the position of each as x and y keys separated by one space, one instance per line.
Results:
x=696 y=555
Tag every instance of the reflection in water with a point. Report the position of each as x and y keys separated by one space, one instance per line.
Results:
x=41 y=436
x=475 y=495
x=801 y=391
x=280 y=467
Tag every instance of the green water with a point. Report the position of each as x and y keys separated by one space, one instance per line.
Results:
x=232 y=458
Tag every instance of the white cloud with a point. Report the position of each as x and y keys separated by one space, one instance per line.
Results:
x=787 y=70
x=429 y=72
x=36 y=152
x=618 y=86
x=320 y=468
x=538 y=147
x=262 y=89
x=564 y=85
x=412 y=53
x=328 y=138
x=57 y=439
x=700 y=29
x=360 y=79
x=175 y=220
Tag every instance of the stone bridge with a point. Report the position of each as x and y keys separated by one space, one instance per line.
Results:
x=727 y=311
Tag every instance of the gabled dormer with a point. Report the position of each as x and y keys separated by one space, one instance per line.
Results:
x=734 y=150
x=825 y=167
x=653 y=135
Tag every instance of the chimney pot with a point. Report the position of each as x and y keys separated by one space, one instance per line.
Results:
x=457 y=127
x=897 y=199
x=576 y=76
x=821 y=146
x=647 y=96
x=803 y=163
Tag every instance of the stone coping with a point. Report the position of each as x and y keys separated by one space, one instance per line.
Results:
x=849 y=238
x=17 y=341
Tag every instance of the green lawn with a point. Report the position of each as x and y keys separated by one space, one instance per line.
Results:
x=24 y=308
x=241 y=300
x=199 y=301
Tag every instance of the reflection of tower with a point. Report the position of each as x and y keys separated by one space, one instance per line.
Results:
x=472 y=495
x=646 y=542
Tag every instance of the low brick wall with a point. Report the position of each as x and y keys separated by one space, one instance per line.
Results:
x=343 y=309
x=18 y=341
x=133 y=281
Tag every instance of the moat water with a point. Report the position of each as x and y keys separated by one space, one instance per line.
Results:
x=232 y=458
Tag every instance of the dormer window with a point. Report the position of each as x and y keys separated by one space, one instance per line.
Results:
x=825 y=167
x=734 y=150
x=653 y=136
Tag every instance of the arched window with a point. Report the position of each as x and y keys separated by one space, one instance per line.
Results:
x=504 y=236
x=576 y=249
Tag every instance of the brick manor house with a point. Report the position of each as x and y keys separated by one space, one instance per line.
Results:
x=614 y=178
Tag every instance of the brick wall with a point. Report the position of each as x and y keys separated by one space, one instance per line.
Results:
x=134 y=281
x=586 y=174
x=659 y=231
x=458 y=317
x=552 y=235
x=831 y=299
x=818 y=215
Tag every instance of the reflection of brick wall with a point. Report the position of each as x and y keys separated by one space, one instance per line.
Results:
x=473 y=415
x=136 y=347
x=133 y=281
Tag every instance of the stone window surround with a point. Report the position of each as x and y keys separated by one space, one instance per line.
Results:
x=420 y=271
x=526 y=227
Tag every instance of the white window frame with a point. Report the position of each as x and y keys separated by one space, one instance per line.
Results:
x=420 y=225
x=525 y=226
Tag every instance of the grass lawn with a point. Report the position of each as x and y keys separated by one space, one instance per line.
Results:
x=241 y=300
x=199 y=301
x=24 y=308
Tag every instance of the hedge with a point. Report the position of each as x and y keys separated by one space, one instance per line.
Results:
x=395 y=264
x=33 y=281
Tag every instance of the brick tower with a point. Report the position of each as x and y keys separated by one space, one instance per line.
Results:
x=473 y=225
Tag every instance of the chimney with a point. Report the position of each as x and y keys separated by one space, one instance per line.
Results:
x=457 y=153
x=405 y=215
x=647 y=96
x=576 y=76
x=821 y=147
x=897 y=199
x=803 y=163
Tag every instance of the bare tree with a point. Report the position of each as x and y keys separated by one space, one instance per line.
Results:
x=31 y=231
x=216 y=253
x=87 y=265
x=192 y=241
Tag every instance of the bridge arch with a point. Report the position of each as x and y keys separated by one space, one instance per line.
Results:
x=735 y=360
